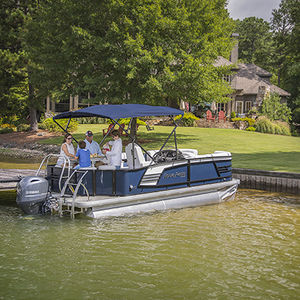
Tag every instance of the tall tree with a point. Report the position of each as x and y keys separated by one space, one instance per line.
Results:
x=286 y=29
x=155 y=51
x=255 y=42
x=16 y=91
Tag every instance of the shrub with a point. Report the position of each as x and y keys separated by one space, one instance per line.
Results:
x=243 y=123
x=6 y=130
x=126 y=121
x=250 y=121
x=5 y=125
x=90 y=120
x=274 y=109
x=284 y=128
x=188 y=119
x=42 y=126
x=264 y=125
x=232 y=115
x=23 y=127
x=50 y=125
x=250 y=128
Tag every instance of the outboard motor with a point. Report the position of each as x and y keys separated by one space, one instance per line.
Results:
x=32 y=192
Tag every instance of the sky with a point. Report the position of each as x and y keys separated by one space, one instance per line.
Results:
x=240 y=9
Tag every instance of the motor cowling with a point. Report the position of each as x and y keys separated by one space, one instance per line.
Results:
x=32 y=192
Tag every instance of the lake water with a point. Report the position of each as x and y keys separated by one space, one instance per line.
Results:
x=244 y=249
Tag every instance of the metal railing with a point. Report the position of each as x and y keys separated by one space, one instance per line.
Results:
x=74 y=191
x=66 y=163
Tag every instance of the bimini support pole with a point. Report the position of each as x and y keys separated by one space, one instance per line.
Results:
x=110 y=130
x=65 y=129
x=173 y=131
x=175 y=137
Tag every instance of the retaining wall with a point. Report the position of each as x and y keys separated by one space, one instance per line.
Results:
x=268 y=180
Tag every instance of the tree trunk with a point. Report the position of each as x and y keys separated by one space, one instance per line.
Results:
x=133 y=128
x=33 y=119
x=173 y=103
x=32 y=110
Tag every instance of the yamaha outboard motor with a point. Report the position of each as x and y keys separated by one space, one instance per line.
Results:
x=32 y=192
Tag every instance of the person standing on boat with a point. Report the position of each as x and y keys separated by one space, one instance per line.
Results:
x=83 y=155
x=66 y=150
x=91 y=145
x=115 y=154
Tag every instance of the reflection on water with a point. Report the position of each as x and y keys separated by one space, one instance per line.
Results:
x=244 y=249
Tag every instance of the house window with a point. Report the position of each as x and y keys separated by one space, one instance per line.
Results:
x=239 y=107
x=248 y=106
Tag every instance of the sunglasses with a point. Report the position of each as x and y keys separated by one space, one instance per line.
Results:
x=69 y=138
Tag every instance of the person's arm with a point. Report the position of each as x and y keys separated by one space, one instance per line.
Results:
x=65 y=149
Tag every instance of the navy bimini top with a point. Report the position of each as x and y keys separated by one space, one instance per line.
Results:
x=117 y=111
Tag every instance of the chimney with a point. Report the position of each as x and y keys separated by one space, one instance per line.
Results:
x=235 y=51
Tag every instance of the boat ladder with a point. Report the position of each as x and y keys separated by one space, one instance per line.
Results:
x=73 y=187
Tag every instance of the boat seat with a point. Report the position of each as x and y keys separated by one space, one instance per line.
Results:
x=139 y=159
x=187 y=153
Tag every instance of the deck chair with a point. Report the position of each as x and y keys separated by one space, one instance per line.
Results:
x=209 y=116
x=221 y=116
x=105 y=131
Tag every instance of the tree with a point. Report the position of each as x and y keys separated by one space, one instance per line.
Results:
x=16 y=91
x=286 y=29
x=255 y=42
x=155 y=51
x=274 y=109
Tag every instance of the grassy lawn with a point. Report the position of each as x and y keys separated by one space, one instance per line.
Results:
x=249 y=149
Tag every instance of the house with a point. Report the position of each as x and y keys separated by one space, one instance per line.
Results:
x=250 y=84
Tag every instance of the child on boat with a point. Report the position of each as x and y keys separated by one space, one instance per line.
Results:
x=83 y=155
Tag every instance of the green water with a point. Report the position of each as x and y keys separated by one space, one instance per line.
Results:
x=244 y=249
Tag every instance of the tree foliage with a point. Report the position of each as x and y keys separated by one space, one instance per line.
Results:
x=16 y=91
x=286 y=27
x=255 y=42
x=274 y=109
x=155 y=51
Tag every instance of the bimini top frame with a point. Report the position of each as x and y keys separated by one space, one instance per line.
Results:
x=115 y=112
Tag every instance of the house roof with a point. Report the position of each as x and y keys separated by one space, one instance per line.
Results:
x=221 y=61
x=250 y=77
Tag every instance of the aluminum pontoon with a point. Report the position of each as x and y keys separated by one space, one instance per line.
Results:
x=147 y=180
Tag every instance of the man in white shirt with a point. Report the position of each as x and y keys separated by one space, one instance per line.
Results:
x=92 y=145
x=115 y=154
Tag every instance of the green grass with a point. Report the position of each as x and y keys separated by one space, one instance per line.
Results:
x=249 y=149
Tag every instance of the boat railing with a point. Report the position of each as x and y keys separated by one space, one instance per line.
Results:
x=73 y=187
x=66 y=163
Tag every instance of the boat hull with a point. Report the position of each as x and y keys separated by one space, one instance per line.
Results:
x=161 y=201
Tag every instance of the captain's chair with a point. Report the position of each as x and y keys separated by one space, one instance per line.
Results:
x=139 y=159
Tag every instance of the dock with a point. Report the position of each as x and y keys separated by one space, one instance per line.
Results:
x=10 y=177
